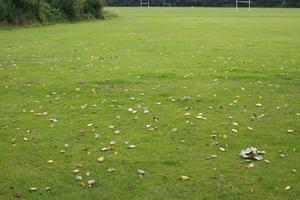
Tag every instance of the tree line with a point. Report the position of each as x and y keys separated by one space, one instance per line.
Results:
x=19 y=12
x=212 y=3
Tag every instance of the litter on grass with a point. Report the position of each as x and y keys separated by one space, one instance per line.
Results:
x=252 y=154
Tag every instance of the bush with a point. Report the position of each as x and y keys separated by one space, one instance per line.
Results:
x=18 y=12
x=260 y=3
x=93 y=8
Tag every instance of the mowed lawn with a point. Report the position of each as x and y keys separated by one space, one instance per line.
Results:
x=69 y=90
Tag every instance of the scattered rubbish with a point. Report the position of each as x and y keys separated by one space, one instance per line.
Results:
x=252 y=153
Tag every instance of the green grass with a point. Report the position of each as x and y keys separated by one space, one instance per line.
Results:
x=225 y=62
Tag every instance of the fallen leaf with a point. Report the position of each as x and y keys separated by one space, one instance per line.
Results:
x=234 y=130
x=251 y=165
x=104 y=149
x=82 y=132
x=184 y=178
x=214 y=156
x=33 y=189
x=221 y=149
x=50 y=161
x=90 y=124
x=117 y=131
x=78 y=178
x=112 y=142
x=91 y=182
x=100 y=159
x=110 y=169
x=53 y=120
x=141 y=172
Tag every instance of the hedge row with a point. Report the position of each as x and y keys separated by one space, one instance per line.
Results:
x=213 y=3
x=20 y=12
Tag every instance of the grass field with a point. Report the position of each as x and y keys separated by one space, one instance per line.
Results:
x=67 y=90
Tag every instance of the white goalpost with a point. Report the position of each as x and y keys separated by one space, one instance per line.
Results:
x=145 y=3
x=242 y=1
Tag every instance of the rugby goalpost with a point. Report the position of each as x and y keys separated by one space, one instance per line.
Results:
x=237 y=2
x=144 y=3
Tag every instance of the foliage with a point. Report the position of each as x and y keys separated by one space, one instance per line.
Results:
x=216 y=3
x=19 y=12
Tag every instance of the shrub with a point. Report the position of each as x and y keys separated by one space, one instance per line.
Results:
x=71 y=9
x=18 y=12
x=94 y=8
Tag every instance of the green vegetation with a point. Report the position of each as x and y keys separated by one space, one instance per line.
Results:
x=20 y=12
x=212 y=3
x=67 y=83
